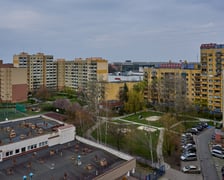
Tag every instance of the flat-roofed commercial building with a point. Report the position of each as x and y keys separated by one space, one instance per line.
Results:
x=13 y=83
x=49 y=148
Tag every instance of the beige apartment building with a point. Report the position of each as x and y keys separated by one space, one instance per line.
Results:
x=13 y=83
x=78 y=73
x=41 y=70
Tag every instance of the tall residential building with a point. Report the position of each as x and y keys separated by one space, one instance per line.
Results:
x=204 y=85
x=41 y=70
x=13 y=83
x=60 y=64
x=212 y=65
x=80 y=72
x=163 y=84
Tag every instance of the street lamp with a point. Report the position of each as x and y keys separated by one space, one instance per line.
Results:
x=31 y=175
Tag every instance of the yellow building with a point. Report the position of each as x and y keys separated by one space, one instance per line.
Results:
x=212 y=65
x=111 y=90
x=79 y=72
x=43 y=71
x=187 y=79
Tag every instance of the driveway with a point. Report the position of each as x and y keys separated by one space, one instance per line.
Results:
x=208 y=168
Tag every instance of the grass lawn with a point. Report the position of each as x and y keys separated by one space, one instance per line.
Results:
x=134 y=141
x=143 y=120
x=186 y=125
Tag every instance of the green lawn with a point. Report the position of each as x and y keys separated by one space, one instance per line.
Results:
x=135 y=142
x=144 y=115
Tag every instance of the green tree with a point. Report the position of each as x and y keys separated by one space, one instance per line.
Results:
x=124 y=94
x=135 y=101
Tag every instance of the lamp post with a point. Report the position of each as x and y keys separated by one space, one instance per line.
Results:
x=31 y=175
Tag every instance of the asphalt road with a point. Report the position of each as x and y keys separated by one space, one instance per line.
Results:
x=208 y=168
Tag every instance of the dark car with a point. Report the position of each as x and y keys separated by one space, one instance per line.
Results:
x=199 y=127
x=193 y=131
x=203 y=124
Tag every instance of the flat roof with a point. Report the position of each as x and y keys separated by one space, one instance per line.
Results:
x=16 y=130
x=58 y=161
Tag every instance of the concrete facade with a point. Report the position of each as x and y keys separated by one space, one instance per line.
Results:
x=13 y=83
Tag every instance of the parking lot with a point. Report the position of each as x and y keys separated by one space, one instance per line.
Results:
x=190 y=154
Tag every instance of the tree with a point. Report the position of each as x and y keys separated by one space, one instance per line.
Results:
x=135 y=98
x=80 y=117
x=171 y=142
x=118 y=132
x=62 y=104
x=170 y=92
x=124 y=94
x=43 y=93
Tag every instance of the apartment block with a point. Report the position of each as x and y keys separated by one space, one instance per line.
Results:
x=79 y=72
x=13 y=83
x=41 y=70
x=160 y=79
x=212 y=66
x=204 y=82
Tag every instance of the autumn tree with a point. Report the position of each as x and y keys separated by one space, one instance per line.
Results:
x=62 y=104
x=43 y=93
x=79 y=116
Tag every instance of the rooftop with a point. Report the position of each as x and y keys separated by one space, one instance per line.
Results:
x=74 y=160
x=14 y=131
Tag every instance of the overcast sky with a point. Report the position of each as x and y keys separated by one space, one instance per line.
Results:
x=117 y=30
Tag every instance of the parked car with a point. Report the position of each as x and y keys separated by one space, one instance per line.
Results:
x=188 y=157
x=203 y=124
x=199 y=127
x=186 y=135
x=193 y=131
x=190 y=150
x=188 y=141
x=186 y=138
x=218 y=153
x=217 y=147
x=191 y=169
x=188 y=146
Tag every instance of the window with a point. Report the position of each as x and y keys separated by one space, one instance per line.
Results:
x=23 y=149
x=17 y=151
